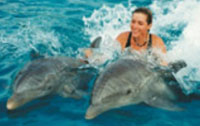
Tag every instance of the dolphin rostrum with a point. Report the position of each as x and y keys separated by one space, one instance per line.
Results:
x=46 y=76
x=129 y=81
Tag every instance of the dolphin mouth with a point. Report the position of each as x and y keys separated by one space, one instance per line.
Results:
x=89 y=115
x=11 y=105
x=92 y=112
x=14 y=102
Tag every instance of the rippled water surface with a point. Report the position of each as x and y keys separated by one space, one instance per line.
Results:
x=62 y=27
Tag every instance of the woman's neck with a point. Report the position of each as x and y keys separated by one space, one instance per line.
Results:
x=141 y=40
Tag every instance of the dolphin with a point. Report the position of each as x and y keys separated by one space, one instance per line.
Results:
x=96 y=42
x=46 y=76
x=131 y=81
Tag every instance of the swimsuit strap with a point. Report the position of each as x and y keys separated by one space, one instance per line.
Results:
x=128 y=43
x=150 y=42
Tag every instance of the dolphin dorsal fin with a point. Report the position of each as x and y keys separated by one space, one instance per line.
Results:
x=96 y=42
x=176 y=66
x=35 y=55
x=172 y=67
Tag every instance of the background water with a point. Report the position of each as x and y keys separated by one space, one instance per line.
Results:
x=62 y=27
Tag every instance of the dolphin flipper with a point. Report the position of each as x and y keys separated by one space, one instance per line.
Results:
x=160 y=95
x=163 y=103
x=77 y=86
x=69 y=91
x=73 y=93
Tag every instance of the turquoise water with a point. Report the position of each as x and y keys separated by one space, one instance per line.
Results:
x=62 y=27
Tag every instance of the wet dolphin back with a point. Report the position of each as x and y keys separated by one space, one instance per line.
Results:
x=37 y=70
x=118 y=77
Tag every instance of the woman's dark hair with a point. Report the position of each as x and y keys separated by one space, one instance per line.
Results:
x=145 y=11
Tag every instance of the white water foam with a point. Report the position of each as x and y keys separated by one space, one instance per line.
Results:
x=175 y=21
x=107 y=21
x=26 y=38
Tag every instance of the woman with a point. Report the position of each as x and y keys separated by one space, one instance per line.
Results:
x=139 y=37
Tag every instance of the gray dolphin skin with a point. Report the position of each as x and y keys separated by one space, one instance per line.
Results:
x=48 y=76
x=96 y=42
x=128 y=81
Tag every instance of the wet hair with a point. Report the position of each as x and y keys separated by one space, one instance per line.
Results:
x=145 y=11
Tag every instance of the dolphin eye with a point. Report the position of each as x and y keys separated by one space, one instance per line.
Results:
x=49 y=88
x=128 y=91
x=20 y=72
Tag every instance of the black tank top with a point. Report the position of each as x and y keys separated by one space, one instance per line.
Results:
x=128 y=43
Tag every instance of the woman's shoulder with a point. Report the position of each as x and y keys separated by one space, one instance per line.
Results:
x=156 y=39
x=123 y=35
x=158 y=43
x=122 y=38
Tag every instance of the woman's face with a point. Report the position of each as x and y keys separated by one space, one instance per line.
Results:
x=139 y=25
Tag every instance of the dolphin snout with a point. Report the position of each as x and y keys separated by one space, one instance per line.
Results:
x=15 y=102
x=89 y=115
x=11 y=104
x=92 y=112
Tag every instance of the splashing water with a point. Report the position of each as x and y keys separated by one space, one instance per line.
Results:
x=61 y=27
x=175 y=21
